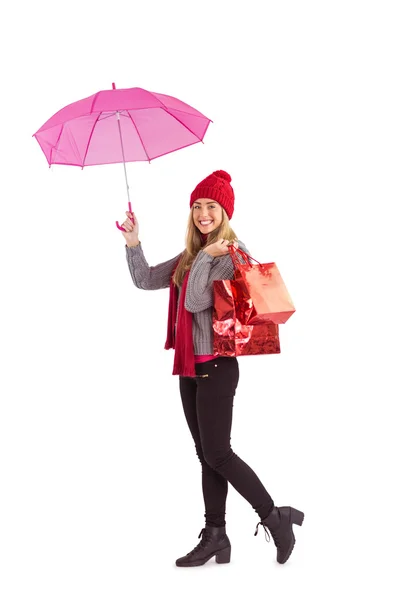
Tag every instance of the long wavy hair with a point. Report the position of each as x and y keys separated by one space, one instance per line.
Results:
x=194 y=243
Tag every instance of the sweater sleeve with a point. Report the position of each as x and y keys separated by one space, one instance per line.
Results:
x=206 y=269
x=145 y=277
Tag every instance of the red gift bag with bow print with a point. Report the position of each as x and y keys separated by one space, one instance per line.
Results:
x=233 y=335
x=262 y=288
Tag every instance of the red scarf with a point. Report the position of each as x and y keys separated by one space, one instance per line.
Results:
x=182 y=342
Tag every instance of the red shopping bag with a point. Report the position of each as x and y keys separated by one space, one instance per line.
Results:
x=263 y=289
x=233 y=336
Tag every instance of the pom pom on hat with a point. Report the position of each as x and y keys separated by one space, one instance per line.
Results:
x=223 y=175
x=216 y=187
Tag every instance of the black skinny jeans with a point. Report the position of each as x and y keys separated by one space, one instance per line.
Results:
x=208 y=406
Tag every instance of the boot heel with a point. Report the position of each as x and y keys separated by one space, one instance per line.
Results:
x=296 y=516
x=224 y=556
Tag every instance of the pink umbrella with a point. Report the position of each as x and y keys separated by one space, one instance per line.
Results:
x=116 y=126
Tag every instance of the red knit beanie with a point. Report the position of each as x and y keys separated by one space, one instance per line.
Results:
x=216 y=187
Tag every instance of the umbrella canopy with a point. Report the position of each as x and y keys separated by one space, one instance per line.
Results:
x=120 y=125
x=114 y=126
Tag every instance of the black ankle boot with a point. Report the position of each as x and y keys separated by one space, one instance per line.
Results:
x=214 y=542
x=279 y=523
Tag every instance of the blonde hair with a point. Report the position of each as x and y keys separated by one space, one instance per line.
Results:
x=194 y=243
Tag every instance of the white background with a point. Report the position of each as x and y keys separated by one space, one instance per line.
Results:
x=101 y=486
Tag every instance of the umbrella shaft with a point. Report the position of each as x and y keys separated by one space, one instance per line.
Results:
x=123 y=155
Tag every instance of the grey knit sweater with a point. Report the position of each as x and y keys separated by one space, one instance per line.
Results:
x=199 y=295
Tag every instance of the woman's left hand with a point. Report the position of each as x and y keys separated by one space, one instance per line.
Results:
x=220 y=248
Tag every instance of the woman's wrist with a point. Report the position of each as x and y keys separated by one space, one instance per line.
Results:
x=209 y=253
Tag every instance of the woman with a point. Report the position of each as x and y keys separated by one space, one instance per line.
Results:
x=208 y=382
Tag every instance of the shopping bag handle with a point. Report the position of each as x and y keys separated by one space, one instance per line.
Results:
x=118 y=225
x=234 y=252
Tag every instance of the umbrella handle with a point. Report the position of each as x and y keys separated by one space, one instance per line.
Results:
x=130 y=210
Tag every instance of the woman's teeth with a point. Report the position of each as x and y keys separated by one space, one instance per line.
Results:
x=205 y=222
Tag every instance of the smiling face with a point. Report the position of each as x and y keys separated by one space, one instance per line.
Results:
x=207 y=214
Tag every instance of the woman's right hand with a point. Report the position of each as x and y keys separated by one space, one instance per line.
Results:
x=132 y=229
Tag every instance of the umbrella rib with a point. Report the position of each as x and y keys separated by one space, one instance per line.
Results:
x=140 y=137
x=165 y=107
x=107 y=116
x=94 y=100
x=90 y=138
x=113 y=115
x=179 y=121
x=57 y=142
